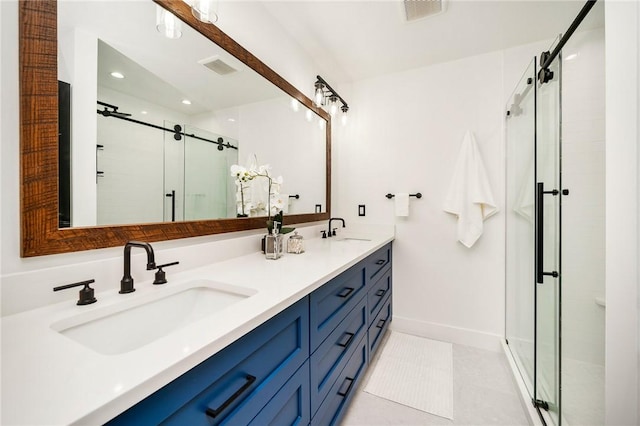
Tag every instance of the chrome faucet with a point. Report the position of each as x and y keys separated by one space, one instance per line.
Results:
x=126 y=283
x=333 y=234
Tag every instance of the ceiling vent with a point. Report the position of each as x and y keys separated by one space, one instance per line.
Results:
x=218 y=65
x=418 y=9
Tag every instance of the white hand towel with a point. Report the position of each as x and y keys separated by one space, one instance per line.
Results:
x=402 y=204
x=469 y=196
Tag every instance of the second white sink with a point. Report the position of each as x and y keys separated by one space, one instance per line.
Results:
x=125 y=328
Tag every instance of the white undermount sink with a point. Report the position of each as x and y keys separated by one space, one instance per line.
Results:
x=127 y=326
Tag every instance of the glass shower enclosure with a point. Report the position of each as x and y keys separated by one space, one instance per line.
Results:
x=555 y=233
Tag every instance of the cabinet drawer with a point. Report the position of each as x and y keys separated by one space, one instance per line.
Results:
x=290 y=406
x=330 y=303
x=378 y=294
x=377 y=262
x=331 y=356
x=333 y=407
x=379 y=325
x=234 y=384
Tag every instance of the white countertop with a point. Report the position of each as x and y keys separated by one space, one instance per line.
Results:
x=49 y=379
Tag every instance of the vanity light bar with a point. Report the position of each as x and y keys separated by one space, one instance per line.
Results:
x=324 y=92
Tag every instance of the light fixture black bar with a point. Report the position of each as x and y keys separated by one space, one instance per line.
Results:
x=567 y=35
x=333 y=92
x=155 y=126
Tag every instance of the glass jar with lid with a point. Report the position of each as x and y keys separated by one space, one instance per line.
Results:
x=295 y=244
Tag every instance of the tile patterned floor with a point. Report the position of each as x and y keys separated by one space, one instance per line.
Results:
x=483 y=390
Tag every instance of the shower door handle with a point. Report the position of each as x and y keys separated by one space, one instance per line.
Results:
x=172 y=195
x=540 y=193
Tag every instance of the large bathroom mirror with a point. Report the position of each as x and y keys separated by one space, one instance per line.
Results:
x=149 y=156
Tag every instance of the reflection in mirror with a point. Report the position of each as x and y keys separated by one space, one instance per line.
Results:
x=43 y=66
x=173 y=116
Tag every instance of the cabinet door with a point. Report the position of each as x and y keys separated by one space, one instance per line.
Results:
x=379 y=325
x=333 y=407
x=377 y=263
x=232 y=386
x=333 y=301
x=290 y=406
x=331 y=356
x=378 y=293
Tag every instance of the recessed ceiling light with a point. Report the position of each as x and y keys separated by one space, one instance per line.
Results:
x=186 y=101
x=143 y=112
x=571 y=57
x=117 y=74
x=231 y=119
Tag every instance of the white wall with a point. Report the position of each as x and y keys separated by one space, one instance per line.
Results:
x=622 y=232
x=78 y=66
x=404 y=136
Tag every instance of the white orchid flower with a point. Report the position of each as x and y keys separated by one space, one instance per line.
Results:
x=264 y=169
x=277 y=202
x=237 y=170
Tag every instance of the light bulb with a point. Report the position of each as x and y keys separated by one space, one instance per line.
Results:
x=344 y=110
x=319 y=95
x=333 y=105
x=205 y=10
x=167 y=23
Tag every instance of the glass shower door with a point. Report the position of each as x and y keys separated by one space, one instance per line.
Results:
x=520 y=287
x=548 y=243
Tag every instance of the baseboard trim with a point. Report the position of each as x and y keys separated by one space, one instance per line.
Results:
x=447 y=333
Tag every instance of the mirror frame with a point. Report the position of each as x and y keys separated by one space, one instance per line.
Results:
x=40 y=234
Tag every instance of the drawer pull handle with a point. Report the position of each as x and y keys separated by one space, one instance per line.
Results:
x=346 y=292
x=381 y=262
x=346 y=392
x=348 y=342
x=381 y=292
x=215 y=413
x=381 y=323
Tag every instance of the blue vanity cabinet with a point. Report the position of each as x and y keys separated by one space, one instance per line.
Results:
x=234 y=385
x=346 y=333
x=301 y=367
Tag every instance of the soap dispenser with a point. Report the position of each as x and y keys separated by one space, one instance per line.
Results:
x=273 y=243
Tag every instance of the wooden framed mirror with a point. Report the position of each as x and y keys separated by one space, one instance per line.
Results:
x=40 y=231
